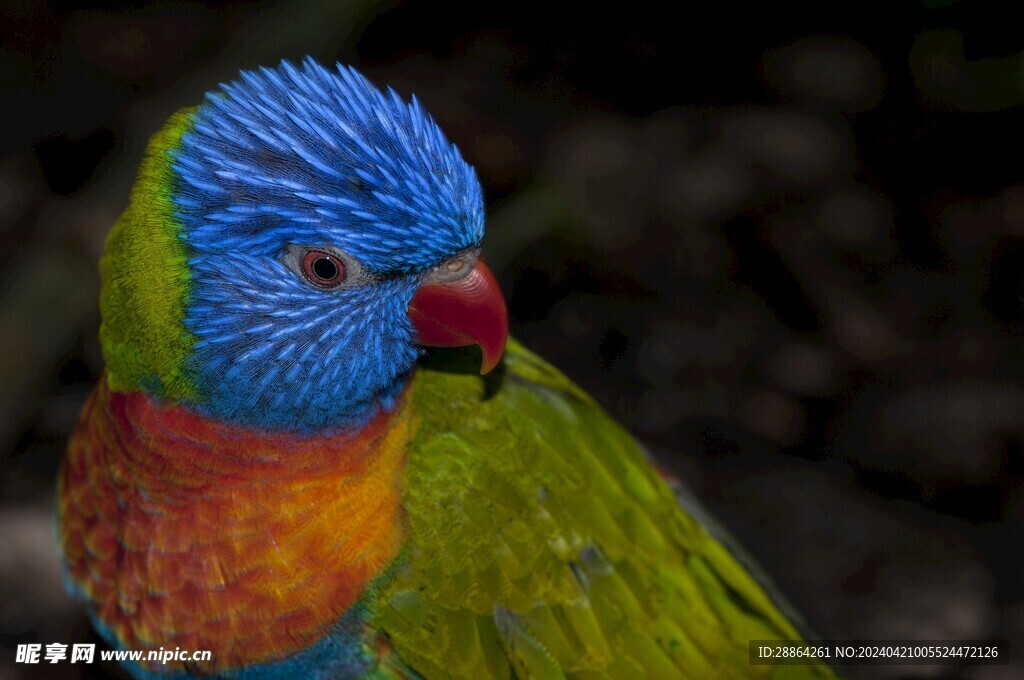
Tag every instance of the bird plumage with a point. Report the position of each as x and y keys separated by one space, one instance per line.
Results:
x=265 y=471
x=543 y=544
x=200 y=534
x=197 y=303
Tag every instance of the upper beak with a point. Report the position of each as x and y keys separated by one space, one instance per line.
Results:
x=470 y=311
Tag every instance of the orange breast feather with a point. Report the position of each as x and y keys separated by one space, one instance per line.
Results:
x=185 y=532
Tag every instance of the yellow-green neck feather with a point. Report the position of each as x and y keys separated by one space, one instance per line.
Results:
x=145 y=281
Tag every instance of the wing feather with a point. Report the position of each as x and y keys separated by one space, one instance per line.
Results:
x=544 y=544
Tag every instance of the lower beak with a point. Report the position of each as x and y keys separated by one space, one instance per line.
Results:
x=470 y=311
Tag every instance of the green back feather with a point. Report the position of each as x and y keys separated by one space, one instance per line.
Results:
x=145 y=280
x=544 y=545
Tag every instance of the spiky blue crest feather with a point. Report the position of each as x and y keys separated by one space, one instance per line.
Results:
x=312 y=157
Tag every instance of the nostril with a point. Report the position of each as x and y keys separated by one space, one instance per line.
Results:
x=454 y=268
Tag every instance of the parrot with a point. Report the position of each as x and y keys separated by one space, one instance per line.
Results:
x=315 y=452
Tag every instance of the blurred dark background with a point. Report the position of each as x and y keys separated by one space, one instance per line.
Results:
x=783 y=244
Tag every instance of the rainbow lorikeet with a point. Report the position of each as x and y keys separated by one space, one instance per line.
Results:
x=269 y=472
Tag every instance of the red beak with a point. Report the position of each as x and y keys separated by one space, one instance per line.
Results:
x=470 y=311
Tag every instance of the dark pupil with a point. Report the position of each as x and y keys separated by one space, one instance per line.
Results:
x=324 y=269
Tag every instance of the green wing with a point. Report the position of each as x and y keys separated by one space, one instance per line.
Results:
x=543 y=544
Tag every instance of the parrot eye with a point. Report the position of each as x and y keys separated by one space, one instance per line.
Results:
x=323 y=269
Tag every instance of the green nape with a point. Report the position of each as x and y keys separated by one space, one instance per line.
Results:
x=544 y=545
x=145 y=280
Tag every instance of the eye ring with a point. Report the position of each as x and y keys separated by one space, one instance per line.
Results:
x=323 y=269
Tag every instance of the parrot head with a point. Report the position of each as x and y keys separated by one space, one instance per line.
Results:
x=305 y=235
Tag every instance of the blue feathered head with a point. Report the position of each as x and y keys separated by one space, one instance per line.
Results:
x=312 y=206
